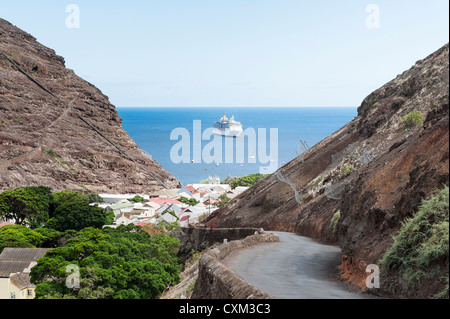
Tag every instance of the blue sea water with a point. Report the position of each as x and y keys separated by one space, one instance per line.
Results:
x=151 y=129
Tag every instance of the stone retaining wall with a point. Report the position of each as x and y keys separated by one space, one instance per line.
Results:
x=216 y=281
x=199 y=239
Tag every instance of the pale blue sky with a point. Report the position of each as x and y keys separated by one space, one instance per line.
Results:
x=236 y=52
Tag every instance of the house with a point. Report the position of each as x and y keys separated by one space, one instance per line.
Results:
x=15 y=267
x=191 y=191
x=202 y=188
x=135 y=215
x=165 y=193
x=127 y=218
x=119 y=208
x=167 y=217
x=161 y=201
x=192 y=215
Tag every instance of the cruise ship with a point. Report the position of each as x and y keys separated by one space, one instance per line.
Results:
x=227 y=127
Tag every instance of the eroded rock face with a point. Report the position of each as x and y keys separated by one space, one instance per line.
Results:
x=370 y=175
x=74 y=141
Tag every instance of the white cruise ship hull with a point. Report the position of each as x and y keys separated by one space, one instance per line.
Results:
x=231 y=132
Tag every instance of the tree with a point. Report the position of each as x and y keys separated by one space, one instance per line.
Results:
x=137 y=199
x=78 y=214
x=26 y=205
x=122 y=263
x=66 y=196
x=23 y=237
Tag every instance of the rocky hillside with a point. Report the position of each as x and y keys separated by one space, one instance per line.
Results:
x=60 y=131
x=356 y=187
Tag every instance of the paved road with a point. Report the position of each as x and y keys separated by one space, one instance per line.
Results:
x=295 y=268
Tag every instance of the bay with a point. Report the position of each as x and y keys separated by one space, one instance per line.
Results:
x=151 y=128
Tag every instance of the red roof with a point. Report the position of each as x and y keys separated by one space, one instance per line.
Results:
x=191 y=189
x=185 y=218
x=5 y=224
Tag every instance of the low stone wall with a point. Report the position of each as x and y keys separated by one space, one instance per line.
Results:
x=216 y=281
x=199 y=239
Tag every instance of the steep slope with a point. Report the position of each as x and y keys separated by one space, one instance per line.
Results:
x=357 y=186
x=69 y=137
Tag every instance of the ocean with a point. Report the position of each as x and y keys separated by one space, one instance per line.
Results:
x=151 y=129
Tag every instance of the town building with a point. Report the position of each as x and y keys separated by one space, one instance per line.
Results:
x=15 y=268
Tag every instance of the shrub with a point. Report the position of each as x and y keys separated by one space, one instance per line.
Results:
x=422 y=241
x=50 y=152
x=334 y=222
x=137 y=199
x=347 y=170
x=412 y=120
x=247 y=181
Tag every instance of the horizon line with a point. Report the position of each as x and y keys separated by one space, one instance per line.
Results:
x=267 y=106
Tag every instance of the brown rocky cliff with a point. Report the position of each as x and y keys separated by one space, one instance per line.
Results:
x=369 y=175
x=71 y=140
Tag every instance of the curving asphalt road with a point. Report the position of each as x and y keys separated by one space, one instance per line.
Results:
x=295 y=268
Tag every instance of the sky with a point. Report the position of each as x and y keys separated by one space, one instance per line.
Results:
x=235 y=53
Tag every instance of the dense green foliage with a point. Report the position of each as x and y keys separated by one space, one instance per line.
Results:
x=78 y=215
x=246 y=181
x=122 y=263
x=37 y=206
x=26 y=205
x=18 y=236
x=129 y=262
x=423 y=241
x=137 y=199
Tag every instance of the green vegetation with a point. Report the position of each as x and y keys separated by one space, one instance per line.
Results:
x=348 y=169
x=26 y=205
x=423 y=242
x=223 y=200
x=17 y=236
x=412 y=120
x=129 y=262
x=37 y=206
x=94 y=198
x=50 y=152
x=137 y=199
x=190 y=202
x=245 y=181
x=122 y=263
x=334 y=222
